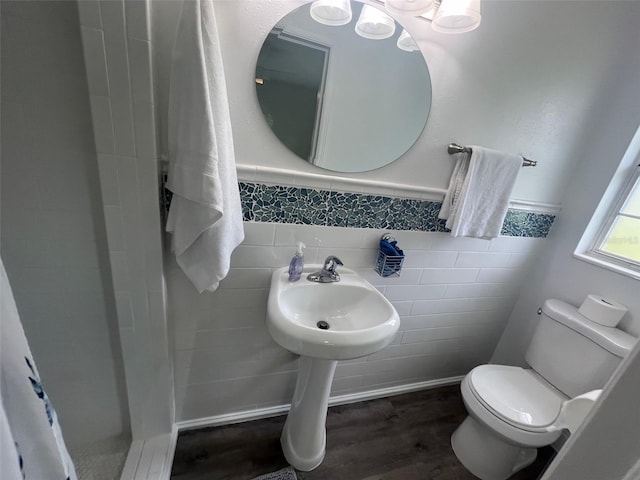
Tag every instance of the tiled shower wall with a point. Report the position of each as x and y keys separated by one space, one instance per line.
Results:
x=116 y=39
x=54 y=243
x=454 y=297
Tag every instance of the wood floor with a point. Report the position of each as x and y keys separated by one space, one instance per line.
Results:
x=404 y=437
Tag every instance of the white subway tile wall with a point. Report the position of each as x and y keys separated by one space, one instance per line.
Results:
x=117 y=46
x=454 y=297
x=54 y=244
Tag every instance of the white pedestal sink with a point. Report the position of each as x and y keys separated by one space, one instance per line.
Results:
x=324 y=323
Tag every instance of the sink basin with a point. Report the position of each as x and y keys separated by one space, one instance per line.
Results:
x=334 y=321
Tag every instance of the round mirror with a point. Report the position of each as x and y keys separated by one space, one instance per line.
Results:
x=339 y=100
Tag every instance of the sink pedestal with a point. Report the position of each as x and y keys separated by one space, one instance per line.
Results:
x=323 y=323
x=303 y=438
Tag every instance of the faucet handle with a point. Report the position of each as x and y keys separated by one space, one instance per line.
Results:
x=331 y=262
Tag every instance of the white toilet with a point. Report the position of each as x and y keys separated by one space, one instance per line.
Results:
x=514 y=410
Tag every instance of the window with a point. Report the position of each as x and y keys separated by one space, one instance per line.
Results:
x=619 y=239
x=612 y=238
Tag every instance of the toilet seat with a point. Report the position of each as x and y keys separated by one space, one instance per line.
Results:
x=512 y=431
x=517 y=396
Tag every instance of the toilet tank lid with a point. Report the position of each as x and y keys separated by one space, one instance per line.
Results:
x=612 y=339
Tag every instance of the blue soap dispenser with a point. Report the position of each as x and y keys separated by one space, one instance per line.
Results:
x=297 y=264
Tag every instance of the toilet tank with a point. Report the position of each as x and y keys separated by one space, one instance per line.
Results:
x=573 y=353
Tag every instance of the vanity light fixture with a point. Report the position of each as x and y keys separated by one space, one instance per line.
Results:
x=331 y=12
x=374 y=24
x=457 y=16
x=446 y=16
x=406 y=42
x=408 y=7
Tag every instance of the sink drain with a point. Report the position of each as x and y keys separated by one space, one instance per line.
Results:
x=322 y=325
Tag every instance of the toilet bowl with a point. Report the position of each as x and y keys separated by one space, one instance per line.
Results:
x=514 y=410
x=504 y=428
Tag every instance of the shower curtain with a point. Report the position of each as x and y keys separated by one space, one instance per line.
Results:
x=31 y=443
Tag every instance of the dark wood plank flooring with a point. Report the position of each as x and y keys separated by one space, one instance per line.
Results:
x=404 y=437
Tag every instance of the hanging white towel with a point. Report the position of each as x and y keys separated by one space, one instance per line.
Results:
x=477 y=199
x=205 y=215
x=32 y=444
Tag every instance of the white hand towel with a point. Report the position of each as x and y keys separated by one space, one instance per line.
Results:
x=205 y=215
x=452 y=196
x=478 y=196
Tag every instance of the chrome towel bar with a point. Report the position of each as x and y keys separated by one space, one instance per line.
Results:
x=455 y=148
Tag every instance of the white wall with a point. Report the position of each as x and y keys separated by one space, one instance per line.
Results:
x=54 y=243
x=453 y=297
x=559 y=274
x=532 y=79
x=527 y=81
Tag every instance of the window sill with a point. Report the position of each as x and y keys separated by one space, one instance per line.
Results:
x=592 y=259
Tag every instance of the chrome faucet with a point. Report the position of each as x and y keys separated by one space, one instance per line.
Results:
x=328 y=273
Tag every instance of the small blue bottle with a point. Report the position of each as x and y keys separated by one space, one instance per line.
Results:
x=297 y=264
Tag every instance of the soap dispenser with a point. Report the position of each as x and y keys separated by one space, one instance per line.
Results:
x=297 y=264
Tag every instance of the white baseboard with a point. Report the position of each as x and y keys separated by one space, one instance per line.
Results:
x=257 y=414
x=151 y=459
x=133 y=458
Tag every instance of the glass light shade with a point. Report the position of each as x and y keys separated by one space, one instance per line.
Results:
x=331 y=12
x=374 y=24
x=406 y=42
x=408 y=7
x=457 y=16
